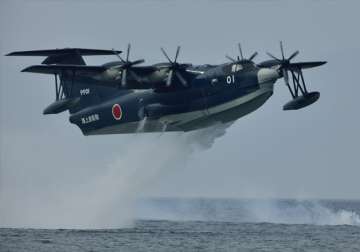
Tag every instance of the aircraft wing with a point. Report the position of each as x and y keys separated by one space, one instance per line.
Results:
x=305 y=65
x=93 y=71
x=58 y=69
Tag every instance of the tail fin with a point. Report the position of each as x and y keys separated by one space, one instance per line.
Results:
x=86 y=91
x=76 y=93
x=73 y=92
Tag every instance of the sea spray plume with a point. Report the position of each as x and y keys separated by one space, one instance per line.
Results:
x=105 y=199
x=108 y=200
x=205 y=138
x=141 y=125
x=299 y=212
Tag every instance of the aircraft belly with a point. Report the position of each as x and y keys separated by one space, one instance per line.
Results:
x=229 y=115
x=241 y=100
x=134 y=127
x=225 y=112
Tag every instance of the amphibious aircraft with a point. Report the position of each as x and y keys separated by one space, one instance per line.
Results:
x=126 y=97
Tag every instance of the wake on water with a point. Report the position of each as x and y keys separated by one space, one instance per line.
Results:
x=247 y=211
x=304 y=212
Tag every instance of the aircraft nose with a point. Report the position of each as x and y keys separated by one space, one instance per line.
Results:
x=267 y=74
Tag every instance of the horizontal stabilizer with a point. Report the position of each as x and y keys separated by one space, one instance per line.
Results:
x=58 y=69
x=53 y=52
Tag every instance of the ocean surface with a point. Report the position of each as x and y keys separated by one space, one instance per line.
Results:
x=209 y=225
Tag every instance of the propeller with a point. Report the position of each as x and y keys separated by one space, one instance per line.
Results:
x=241 y=58
x=174 y=68
x=284 y=62
x=126 y=66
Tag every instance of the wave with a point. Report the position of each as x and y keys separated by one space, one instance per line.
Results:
x=250 y=211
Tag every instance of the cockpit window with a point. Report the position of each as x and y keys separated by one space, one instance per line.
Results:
x=236 y=67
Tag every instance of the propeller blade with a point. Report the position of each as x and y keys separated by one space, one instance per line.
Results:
x=165 y=54
x=272 y=56
x=181 y=78
x=253 y=56
x=293 y=55
x=282 y=50
x=231 y=59
x=135 y=76
x=137 y=62
x=286 y=76
x=128 y=52
x=117 y=55
x=169 y=79
x=177 y=53
x=240 y=50
x=123 y=78
x=284 y=61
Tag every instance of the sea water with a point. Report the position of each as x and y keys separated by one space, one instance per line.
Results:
x=209 y=225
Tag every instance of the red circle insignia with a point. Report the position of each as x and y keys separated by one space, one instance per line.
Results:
x=116 y=111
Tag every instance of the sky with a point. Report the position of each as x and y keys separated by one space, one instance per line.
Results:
x=46 y=163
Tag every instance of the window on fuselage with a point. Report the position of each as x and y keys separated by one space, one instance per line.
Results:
x=236 y=67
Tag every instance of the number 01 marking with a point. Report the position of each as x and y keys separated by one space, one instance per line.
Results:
x=230 y=79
